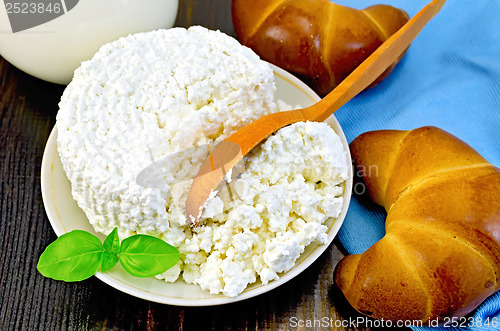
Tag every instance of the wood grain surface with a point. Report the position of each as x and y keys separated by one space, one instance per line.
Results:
x=28 y=301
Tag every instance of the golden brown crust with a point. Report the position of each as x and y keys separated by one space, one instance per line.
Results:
x=317 y=40
x=376 y=162
x=441 y=252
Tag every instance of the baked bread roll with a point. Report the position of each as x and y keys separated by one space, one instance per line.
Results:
x=441 y=252
x=317 y=40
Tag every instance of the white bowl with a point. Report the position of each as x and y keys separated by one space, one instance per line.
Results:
x=65 y=215
x=53 y=50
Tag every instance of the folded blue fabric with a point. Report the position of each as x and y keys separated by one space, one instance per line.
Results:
x=450 y=78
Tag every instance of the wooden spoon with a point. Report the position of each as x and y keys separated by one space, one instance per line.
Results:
x=231 y=150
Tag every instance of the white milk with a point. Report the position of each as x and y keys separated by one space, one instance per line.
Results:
x=53 y=50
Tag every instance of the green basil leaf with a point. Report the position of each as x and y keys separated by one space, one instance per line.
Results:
x=111 y=247
x=112 y=242
x=147 y=256
x=108 y=261
x=74 y=256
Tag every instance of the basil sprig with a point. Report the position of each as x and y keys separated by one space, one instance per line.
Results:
x=77 y=255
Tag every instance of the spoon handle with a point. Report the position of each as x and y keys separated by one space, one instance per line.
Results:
x=365 y=74
x=373 y=66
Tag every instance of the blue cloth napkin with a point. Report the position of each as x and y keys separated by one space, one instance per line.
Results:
x=450 y=78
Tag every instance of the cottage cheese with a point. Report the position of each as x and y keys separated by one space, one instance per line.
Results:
x=292 y=184
x=153 y=101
